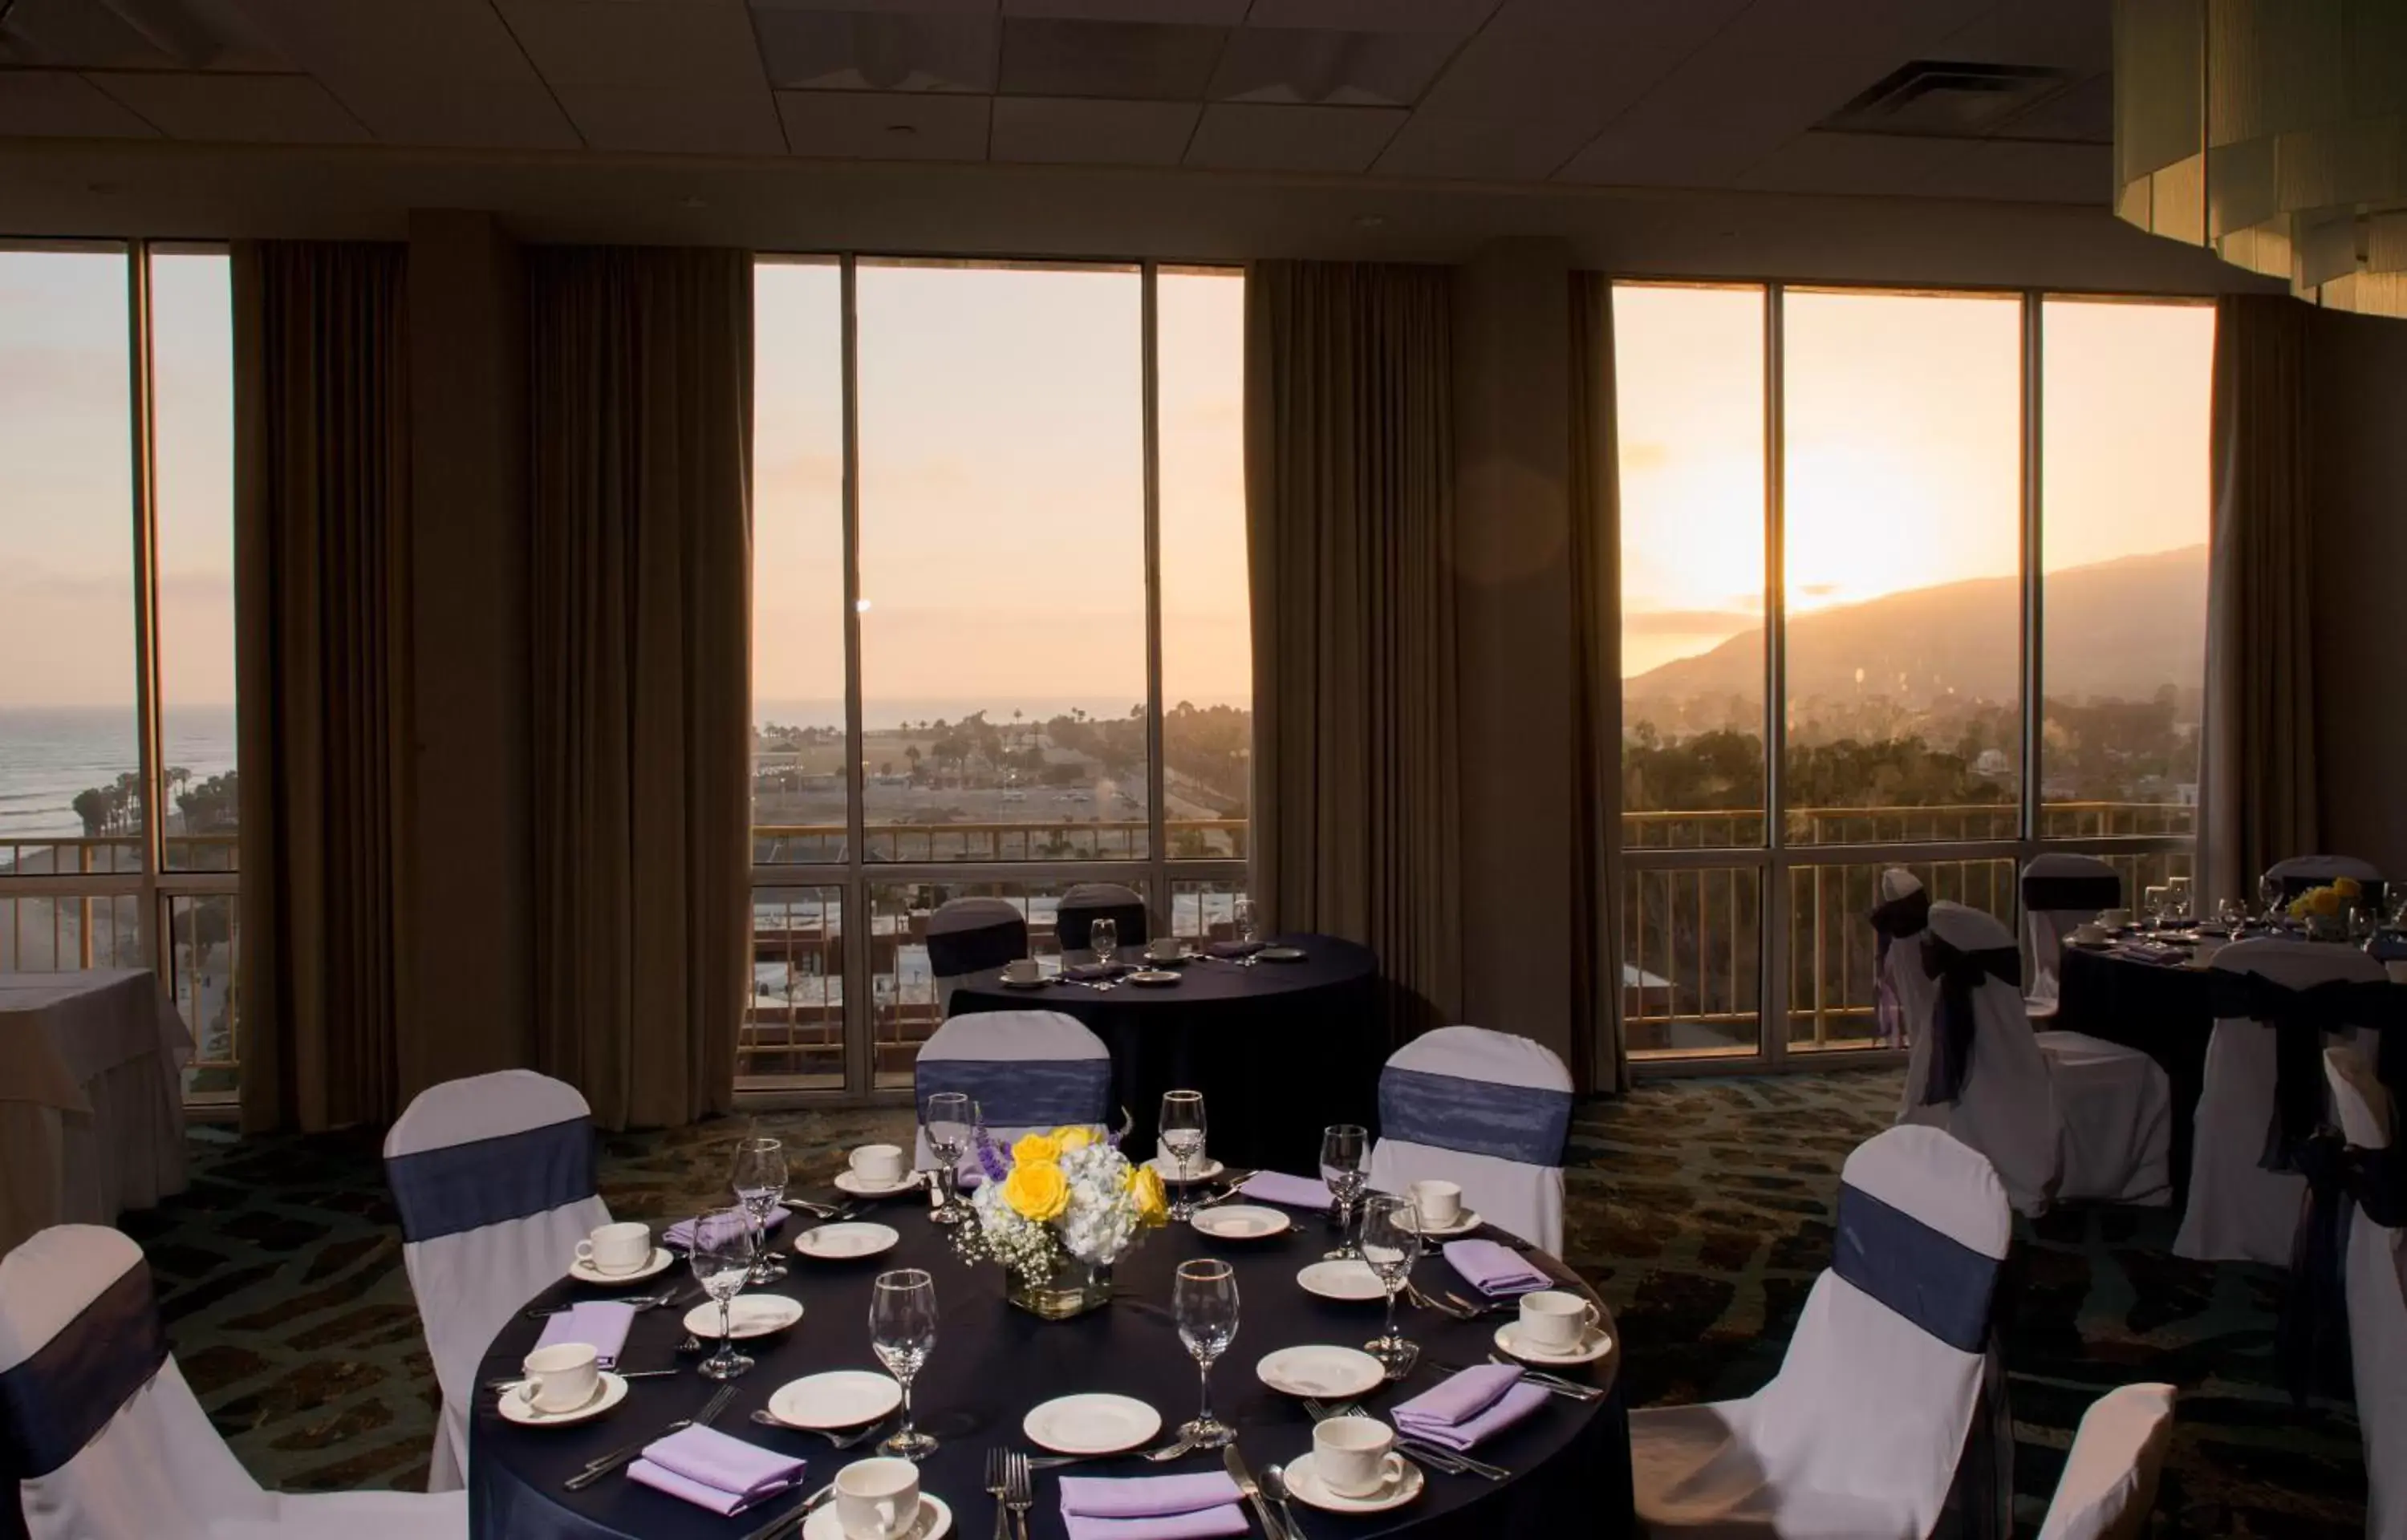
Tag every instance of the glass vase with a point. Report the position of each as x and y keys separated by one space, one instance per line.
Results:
x=1073 y=1290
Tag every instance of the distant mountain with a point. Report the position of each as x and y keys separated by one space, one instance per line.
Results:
x=2118 y=629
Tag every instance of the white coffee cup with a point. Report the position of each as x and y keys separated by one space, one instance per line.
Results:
x=560 y=1377
x=2114 y=919
x=2089 y=932
x=1439 y=1203
x=1356 y=1456
x=878 y=1499
x=1556 y=1320
x=1166 y=949
x=878 y=1163
x=617 y=1248
x=1020 y=970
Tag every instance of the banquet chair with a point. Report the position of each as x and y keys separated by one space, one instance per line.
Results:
x=1086 y=903
x=2297 y=873
x=493 y=1177
x=1027 y=1070
x=1860 y=1431
x=1898 y=921
x=2061 y=892
x=2109 y=1484
x=1486 y=1110
x=105 y=1437
x=2238 y=1210
x=2375 y=1275
x=965 y=935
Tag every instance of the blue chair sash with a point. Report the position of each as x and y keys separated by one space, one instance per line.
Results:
x=1959 y=974
x=2102 y=891
x=463 y=1187
x=59 y=1400
x=1023 y=1093
x=1518 y=1123
x=952 y=952
x=1931 y=1278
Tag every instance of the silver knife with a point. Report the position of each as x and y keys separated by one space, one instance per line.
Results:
x=1272 y=1528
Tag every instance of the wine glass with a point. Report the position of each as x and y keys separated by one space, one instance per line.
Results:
x=721 y=1259
x=2231 y=914
x=1345 y=1166
x=1103 y=939
x=1203 y=1301
x=2177 y=898
x=1247 y=927
x=758 y=1181
x=2151 y=903
x=1182 y=1135
x=903 y=1332
x=951 y=1120
x=2269 y=893
x=1391 y=1243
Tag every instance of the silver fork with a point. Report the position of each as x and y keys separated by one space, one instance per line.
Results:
x=1428 y=1302
x=998 y=1483
x=836 y=1440
x=1161 y=1456
x=641 y=1302
x=627 y=1454
x=1020 y=1492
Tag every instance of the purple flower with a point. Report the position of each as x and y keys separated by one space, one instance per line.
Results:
x=990 y=1158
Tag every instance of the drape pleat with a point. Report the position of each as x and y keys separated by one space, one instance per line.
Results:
x=2258 y=773
x=641 y=364
x=321 y=575
x=1595 y=551
x=1350 y=489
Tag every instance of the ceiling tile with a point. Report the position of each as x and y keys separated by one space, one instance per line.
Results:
x=286 y=109
x=181 y=35
x=1245 y=136
x=1065 y=130
x=1572 y=69
x=433 y=72
x=467 y=114
x=54 y=103
x=885 y=8
x=1480 y=149
x=2024 y=171
x=2083 y=112
x=683 y=119
x=2076 y=35
x=1337 y=68
x=579 y=43
x=884 y=126
x=868 y=51
x=1127 y=60
x=1209 y=13
x=1442 y=16
x=1819 y=162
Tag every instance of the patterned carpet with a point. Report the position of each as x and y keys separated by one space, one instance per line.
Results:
x=1700 y=1209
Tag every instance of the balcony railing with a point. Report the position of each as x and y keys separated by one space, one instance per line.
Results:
x=1001 y=841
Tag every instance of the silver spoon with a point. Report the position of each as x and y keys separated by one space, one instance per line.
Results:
x=1274 y=1486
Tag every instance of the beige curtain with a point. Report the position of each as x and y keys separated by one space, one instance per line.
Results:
x=2257 y=776
x=1349 y=490
x=1603 y=1064
x=641 y=363
x=321 y=575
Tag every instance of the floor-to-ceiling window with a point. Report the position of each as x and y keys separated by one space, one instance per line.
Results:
x=1000 y=635
x=1908 y=578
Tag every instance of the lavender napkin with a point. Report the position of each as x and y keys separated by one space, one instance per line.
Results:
x=1469 y=1406
x=1235 y=949
x=1494 y=1269
x=680 y=1234
x=1278 y=1187
x=1095 y=970
x=600 y=1324
x=1151 y=1507
x=710 y=1470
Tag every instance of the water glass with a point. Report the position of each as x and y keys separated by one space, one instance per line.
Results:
x=1391 y=1243
x=2269 y=893
x=758 y=1181
x=2231 y=915
x=1182 y=1135
x=2152 y=904
x=950 y=1119
x=1345 y=1166
x=1203 y=1302
x=2177 y=898
x=1103 y=939
x=903 y=1332
x=721 y=1259
x=1247 y=927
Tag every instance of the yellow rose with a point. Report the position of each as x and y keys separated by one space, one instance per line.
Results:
x=1152 y=1203
x=2347 y=888
x=1073 y=1138
x=1037 y=1190
x=1036 y=1149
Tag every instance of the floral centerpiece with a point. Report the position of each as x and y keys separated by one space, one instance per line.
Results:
x=1057 y=1210
x=2330 y=902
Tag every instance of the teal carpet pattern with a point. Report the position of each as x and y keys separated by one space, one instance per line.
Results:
x=1700 y=1209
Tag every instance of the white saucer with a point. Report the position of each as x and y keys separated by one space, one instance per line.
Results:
x=1197 y=1171
x=1348 y=1280
x=585 y=1272
x=852 y=1181
x=1091 y=1424
x=1281 y=953
x=515 y=1409
x=1241 y=1221
x=1152 y=978
x=748 y=1316
x=1010 y=982
x=846 y=1240
x=840 y=1398
x=935 y=1520
x=1594 y=1344
x=1331 y=1373
x=1305 y=1486
x=1466 y=1220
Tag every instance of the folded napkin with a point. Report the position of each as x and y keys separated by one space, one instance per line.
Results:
x=1470 y=1406
x=2388 y=946
x=1151 y=1507
x=1235 y=949
x=1095 y=970
x=710 y=1470
x=2149 y=952
x=600 y=1324
x=1494 y=1269
x=680 y=1234
x=1294 y=1192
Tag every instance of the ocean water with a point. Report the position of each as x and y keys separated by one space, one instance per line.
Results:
x=48 y=754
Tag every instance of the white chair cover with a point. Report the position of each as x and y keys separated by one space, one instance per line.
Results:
x=493 y=1177
x=1899 y=917
x=1860 y=1433
x=2060 y=892
x=2297 y=873
x=90 y=1399
x=2116 y=1105
x=1486 y=1110
x=1086 y=903
x=967 y=935
x=2006 y=1107
x=1026 y=1070
x=2375 y=1270
x=2109 y=1484
x=2238 y=1210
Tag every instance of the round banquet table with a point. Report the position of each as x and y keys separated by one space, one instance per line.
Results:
x=1279 y=1050
x=993 y=1361
x=2160 y=1009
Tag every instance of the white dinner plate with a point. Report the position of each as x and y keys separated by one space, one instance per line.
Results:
x=840 y=1398
x=1464 y=1222
x=847 y=1240
x=1203 y=1170
x=1091 y=1424
x=1595 y=1342
x=1023 y=983
x=1305 y=1483
x=514 y=1408
x=584 y=1271
x=1281 y=953
x=1348 y=1279
x=1329 y=1373
x=1152 y=978
x=862 y=1187
x=1240 y=1222
x=748 y=1315
x=935 y=1520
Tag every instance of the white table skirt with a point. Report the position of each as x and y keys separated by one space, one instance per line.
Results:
x=91 y=1109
